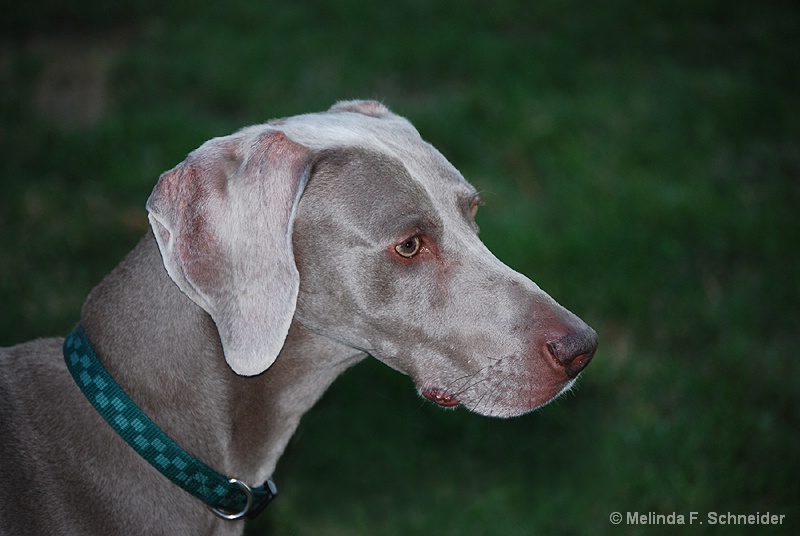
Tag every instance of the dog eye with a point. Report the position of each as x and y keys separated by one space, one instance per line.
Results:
x=410 y=247
x=473 y=210
x=473 y=207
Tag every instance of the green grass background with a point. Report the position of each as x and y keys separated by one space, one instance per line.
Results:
x=640 y=162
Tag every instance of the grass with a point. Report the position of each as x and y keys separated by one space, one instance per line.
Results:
x=641 y=162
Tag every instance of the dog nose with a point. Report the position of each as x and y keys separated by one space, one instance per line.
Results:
x=574 y=350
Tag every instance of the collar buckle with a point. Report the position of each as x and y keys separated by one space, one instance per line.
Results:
x=247 y=506
x=256 y=501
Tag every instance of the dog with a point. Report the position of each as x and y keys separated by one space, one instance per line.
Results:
x=277 y=257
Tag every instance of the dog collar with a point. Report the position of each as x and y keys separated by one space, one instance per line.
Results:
x=228 y=498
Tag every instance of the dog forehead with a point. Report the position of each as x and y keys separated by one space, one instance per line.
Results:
x=388 y=134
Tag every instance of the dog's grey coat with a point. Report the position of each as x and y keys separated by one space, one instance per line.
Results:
x=272 y=268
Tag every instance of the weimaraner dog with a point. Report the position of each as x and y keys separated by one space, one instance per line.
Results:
x=278 y=257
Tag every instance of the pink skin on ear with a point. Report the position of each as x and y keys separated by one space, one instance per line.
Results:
x=223 y=221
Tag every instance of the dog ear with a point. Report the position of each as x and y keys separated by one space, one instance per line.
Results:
x=223 y=221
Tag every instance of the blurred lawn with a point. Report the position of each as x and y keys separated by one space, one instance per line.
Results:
x=641 y=162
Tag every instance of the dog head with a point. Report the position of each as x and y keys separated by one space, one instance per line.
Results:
x=349 y=223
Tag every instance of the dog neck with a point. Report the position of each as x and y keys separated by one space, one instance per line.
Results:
x=165 y=352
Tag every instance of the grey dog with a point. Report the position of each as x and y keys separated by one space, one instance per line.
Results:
x=277 y=257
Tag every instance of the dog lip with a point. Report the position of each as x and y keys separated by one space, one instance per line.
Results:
x=440 y=396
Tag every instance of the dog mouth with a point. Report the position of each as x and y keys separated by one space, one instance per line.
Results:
x=440 y=396
x=515 y=404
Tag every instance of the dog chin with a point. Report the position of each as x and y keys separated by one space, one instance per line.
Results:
x=513 y=405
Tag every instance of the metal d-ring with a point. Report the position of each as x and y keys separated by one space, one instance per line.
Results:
x=248 y=493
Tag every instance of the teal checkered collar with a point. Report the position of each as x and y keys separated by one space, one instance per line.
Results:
x=228 y=498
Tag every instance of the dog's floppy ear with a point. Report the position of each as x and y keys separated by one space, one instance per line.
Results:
x=223 y=221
